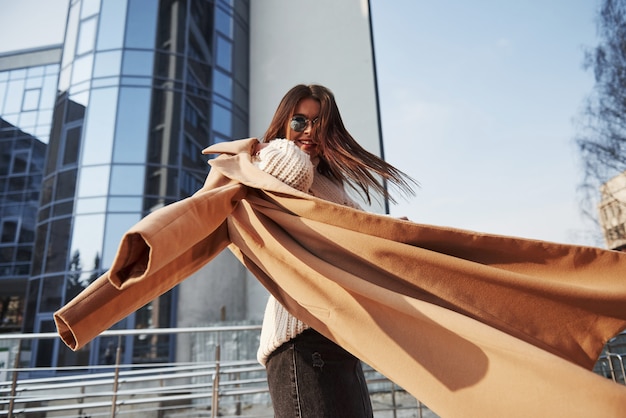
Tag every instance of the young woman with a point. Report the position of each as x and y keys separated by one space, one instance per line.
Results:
x=308 y=147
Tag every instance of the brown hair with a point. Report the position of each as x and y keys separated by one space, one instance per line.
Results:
x=341 y=157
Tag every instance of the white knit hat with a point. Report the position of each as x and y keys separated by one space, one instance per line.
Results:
x=284 y=160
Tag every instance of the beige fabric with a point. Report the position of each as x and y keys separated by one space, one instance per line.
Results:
x=284 y=160
x=474 y=325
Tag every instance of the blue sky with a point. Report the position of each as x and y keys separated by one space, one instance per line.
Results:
x=478 y=102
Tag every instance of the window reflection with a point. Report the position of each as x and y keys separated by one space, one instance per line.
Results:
x=48 y=92
x=141 y=24
x=91 y=205
x=222 y=120
x=33 y=74
x=45 y=346
x=82 y=69
x=112 y=19
x=107 y=64
x=127 y=180
x=13 y=101
x=98 y=138
x=132 y=125
x=66 y=185
x=64 y=79
x=72 y=145
x=27 y=120
x=3 y=89
x=45 y=117
x=76 y=106
x=31 y=99
x=125 y=204
x=224 y=22
x=86 y=36
x=224 y=53
x=56 y=256
x=70 y=35
x=33 y=81
x=138 y=63
x=86 y=249
x=105 y=82
x=222 y=84
x=117 y=225
x=90 y=7
x=18 y=74
x=51 y=294
x=94 y=181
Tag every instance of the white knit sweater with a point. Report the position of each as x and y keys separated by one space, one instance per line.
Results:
x=285 y=161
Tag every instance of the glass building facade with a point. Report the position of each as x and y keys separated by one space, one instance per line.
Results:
x=27 y=95
x=141 y=88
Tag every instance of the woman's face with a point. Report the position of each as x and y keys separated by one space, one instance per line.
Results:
x=309 y=110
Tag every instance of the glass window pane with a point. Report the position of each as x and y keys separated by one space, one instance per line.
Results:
x=72 y=145
x=117 y=225
x=66 y=185
x=56 y=255
x=48 y=93
x=70 y=35
x=98 y=138
x=223 y=84
x=138 y=63
x=3 y=90
x=127 y=180
x=15 y=91
x=51 y=294
x=44 y=119
x=141 y=25
x=224 y=53
x=86 y=36
x=94 y=181
x=31 y=99
x=86 y=249
x=18 y=74
x=91 y=205
x=32 y=82
x=222 y=120
x=107 y=64
x=224 y=22
x=45 y=346
x=64 y=79
x=125 y=204
x=90 y=7
x=33 y=72
x=9 y=230
x=82 y=69
x=112 y=20
x=27 y=121
x=131 y=136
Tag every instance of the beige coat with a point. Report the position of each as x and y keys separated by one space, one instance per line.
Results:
x=473 y=325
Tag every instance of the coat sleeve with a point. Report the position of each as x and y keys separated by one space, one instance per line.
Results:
x=155 y=255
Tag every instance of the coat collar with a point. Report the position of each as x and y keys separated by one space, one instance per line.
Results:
x=235 y=162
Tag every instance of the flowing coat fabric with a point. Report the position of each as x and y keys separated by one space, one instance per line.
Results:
x=472 y=324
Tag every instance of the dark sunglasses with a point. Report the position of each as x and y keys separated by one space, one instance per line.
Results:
x=299 y=123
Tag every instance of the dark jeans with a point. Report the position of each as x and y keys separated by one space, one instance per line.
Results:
x=312 y=377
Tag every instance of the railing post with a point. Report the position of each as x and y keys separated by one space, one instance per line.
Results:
x=215 y=404
x=393 y=399
x=16 y=366
x=118 y=356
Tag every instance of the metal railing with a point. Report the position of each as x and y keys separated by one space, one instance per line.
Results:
x=220 y=386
